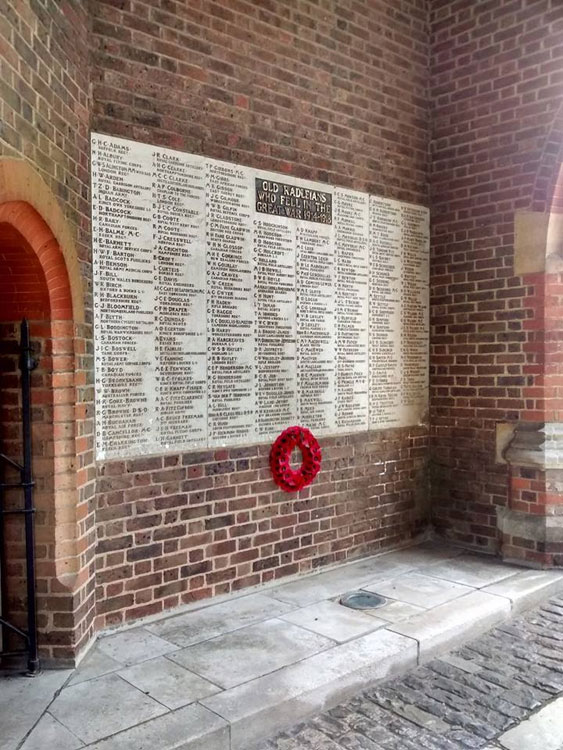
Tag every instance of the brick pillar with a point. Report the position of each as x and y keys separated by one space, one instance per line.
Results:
x=531 y=526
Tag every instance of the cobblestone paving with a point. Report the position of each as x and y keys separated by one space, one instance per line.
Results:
x=464 y=700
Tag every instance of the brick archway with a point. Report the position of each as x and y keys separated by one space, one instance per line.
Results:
x=34 y=284
x=36 y=254
x=41 y=281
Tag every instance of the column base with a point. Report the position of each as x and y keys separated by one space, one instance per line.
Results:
x=535 y=541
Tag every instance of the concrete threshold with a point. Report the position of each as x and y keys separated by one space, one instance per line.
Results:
x=229 y=675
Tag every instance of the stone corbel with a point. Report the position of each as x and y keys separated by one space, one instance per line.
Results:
x=537 y=445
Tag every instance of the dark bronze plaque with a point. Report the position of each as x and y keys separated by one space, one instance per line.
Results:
x=292 y=201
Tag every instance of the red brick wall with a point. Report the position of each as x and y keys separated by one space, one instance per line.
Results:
x=334 y=92
x=341 y=93
x=329 y=91
x=23 y=291
x=496 y=138
x=44 y=122
x=175 y=529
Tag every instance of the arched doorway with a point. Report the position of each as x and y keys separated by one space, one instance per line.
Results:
x=34 y=283
x=66 y=513
x=23 y=294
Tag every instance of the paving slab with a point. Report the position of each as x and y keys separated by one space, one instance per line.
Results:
x=367 y=567
x=542 y=731
x=316 y=588
x=422 y=591
x=334 y=621
x=251 y=652
x=527 y=588
x=94 y=664
x=190 y=728
x=327 y=585
x=261 y=707
x=168 y=682
x=23 y=700
x=450 y=624
x=134 y=646
x=471 y=570
x=49 y=733
x=101 y=707
x=393 y=611
x=209 y=622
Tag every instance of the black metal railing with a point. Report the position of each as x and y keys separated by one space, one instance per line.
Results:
x=27 y=363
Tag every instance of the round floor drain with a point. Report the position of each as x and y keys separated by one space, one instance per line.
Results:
x=362 y=600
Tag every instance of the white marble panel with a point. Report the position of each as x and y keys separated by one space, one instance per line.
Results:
x=351 y=247
x=275 y=358
x=385 y=282
x=230 y=303
x=180 y=299
x=124 y=297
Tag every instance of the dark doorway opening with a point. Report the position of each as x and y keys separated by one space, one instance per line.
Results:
x=22 y=507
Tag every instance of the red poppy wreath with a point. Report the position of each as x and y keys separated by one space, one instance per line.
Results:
x=288 y=479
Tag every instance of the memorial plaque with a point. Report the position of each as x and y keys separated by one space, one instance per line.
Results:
x=274 y=294
x=180 y=339
x=415 y=327
x=385 y=289
x=290 y=201
x=398 y=369
x=230 y=303
x=316 y=340
x=351 y=241
x=124 y=272
x=149 y=244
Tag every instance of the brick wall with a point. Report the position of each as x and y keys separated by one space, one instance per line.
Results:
x=340 y=93
x=44 y=102
x=496 y=144
x=327 y=91
x=23 y=291
x=44 y=193
x=175 y=529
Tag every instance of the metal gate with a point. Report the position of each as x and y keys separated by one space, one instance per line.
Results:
x=29 y=636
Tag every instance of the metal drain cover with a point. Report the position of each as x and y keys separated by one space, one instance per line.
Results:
x=362 y=600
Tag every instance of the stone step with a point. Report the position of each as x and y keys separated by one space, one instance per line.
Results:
x=527 y=588
x=444 y=627
x=241 y=716
x=261 y=707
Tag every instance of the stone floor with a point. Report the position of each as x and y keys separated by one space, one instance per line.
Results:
x=501 y=691
x=229 y=674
